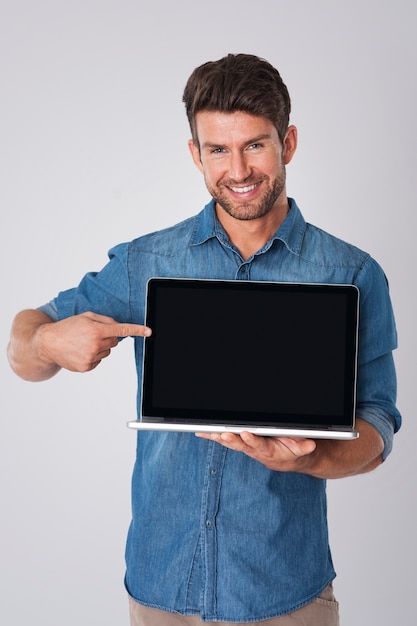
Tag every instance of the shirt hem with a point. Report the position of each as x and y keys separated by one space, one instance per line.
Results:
x=238 y=620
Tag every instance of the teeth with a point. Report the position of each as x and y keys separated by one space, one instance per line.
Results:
x=243 y=189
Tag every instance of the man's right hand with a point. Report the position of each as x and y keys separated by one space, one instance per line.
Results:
x=39 y=347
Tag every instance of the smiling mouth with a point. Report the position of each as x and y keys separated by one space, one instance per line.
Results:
x=244 y=189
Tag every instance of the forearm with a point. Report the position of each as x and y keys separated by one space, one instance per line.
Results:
x=322 y=458
x=25 y=347
x=339 y=459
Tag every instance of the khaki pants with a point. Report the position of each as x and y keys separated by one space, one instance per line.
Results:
x=324 y=611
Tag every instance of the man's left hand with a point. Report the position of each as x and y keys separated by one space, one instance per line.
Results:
x=285 y=454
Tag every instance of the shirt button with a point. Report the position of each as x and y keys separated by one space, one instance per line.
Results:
x=209 y=524
x=213 y=471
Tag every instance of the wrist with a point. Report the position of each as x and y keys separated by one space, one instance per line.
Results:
x=42 y=341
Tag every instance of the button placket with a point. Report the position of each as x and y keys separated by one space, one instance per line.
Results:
x=214 y=471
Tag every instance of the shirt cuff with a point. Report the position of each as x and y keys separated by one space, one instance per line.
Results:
x=382 y=422
x=50 y=309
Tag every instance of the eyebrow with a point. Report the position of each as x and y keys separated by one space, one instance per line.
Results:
x=209 y=144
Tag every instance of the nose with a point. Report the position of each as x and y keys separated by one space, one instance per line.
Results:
x=239 y=168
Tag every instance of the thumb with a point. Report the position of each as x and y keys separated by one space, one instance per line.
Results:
x=300 y=446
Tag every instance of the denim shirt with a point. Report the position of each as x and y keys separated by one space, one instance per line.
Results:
x=213 y=531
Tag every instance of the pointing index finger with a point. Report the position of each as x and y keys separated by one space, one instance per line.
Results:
x=133 y=330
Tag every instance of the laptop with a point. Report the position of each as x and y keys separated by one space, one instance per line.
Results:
x=272 y=358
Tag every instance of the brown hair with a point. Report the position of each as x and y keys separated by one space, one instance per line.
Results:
x=238 y=82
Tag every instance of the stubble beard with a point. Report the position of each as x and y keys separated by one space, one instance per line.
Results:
x=247 y=210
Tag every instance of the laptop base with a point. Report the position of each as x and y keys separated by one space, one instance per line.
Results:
x=263 y=431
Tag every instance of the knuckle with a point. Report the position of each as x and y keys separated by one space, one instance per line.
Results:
x=123 y=330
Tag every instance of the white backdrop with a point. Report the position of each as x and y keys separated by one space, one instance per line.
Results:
x=93 y=152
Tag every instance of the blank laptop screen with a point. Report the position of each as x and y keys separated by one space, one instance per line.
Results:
x=244 y=352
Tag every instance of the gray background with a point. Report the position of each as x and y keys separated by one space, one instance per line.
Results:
x=93 y=152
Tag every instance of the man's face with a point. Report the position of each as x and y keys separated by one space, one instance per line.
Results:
x=243 y=163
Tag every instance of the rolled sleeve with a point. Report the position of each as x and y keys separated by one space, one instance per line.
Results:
x=50 y=309
x=384 y=423
x=377 y=381
x=106 y=292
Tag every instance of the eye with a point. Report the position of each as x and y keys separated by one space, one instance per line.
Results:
x=254 y=146
x=217 y=150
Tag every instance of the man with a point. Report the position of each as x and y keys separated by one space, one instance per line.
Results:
x=229 y=528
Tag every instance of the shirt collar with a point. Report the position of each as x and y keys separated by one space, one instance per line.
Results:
x=291 y=232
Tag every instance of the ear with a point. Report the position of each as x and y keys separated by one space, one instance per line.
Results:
x=290 y=144
x=195 y=153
